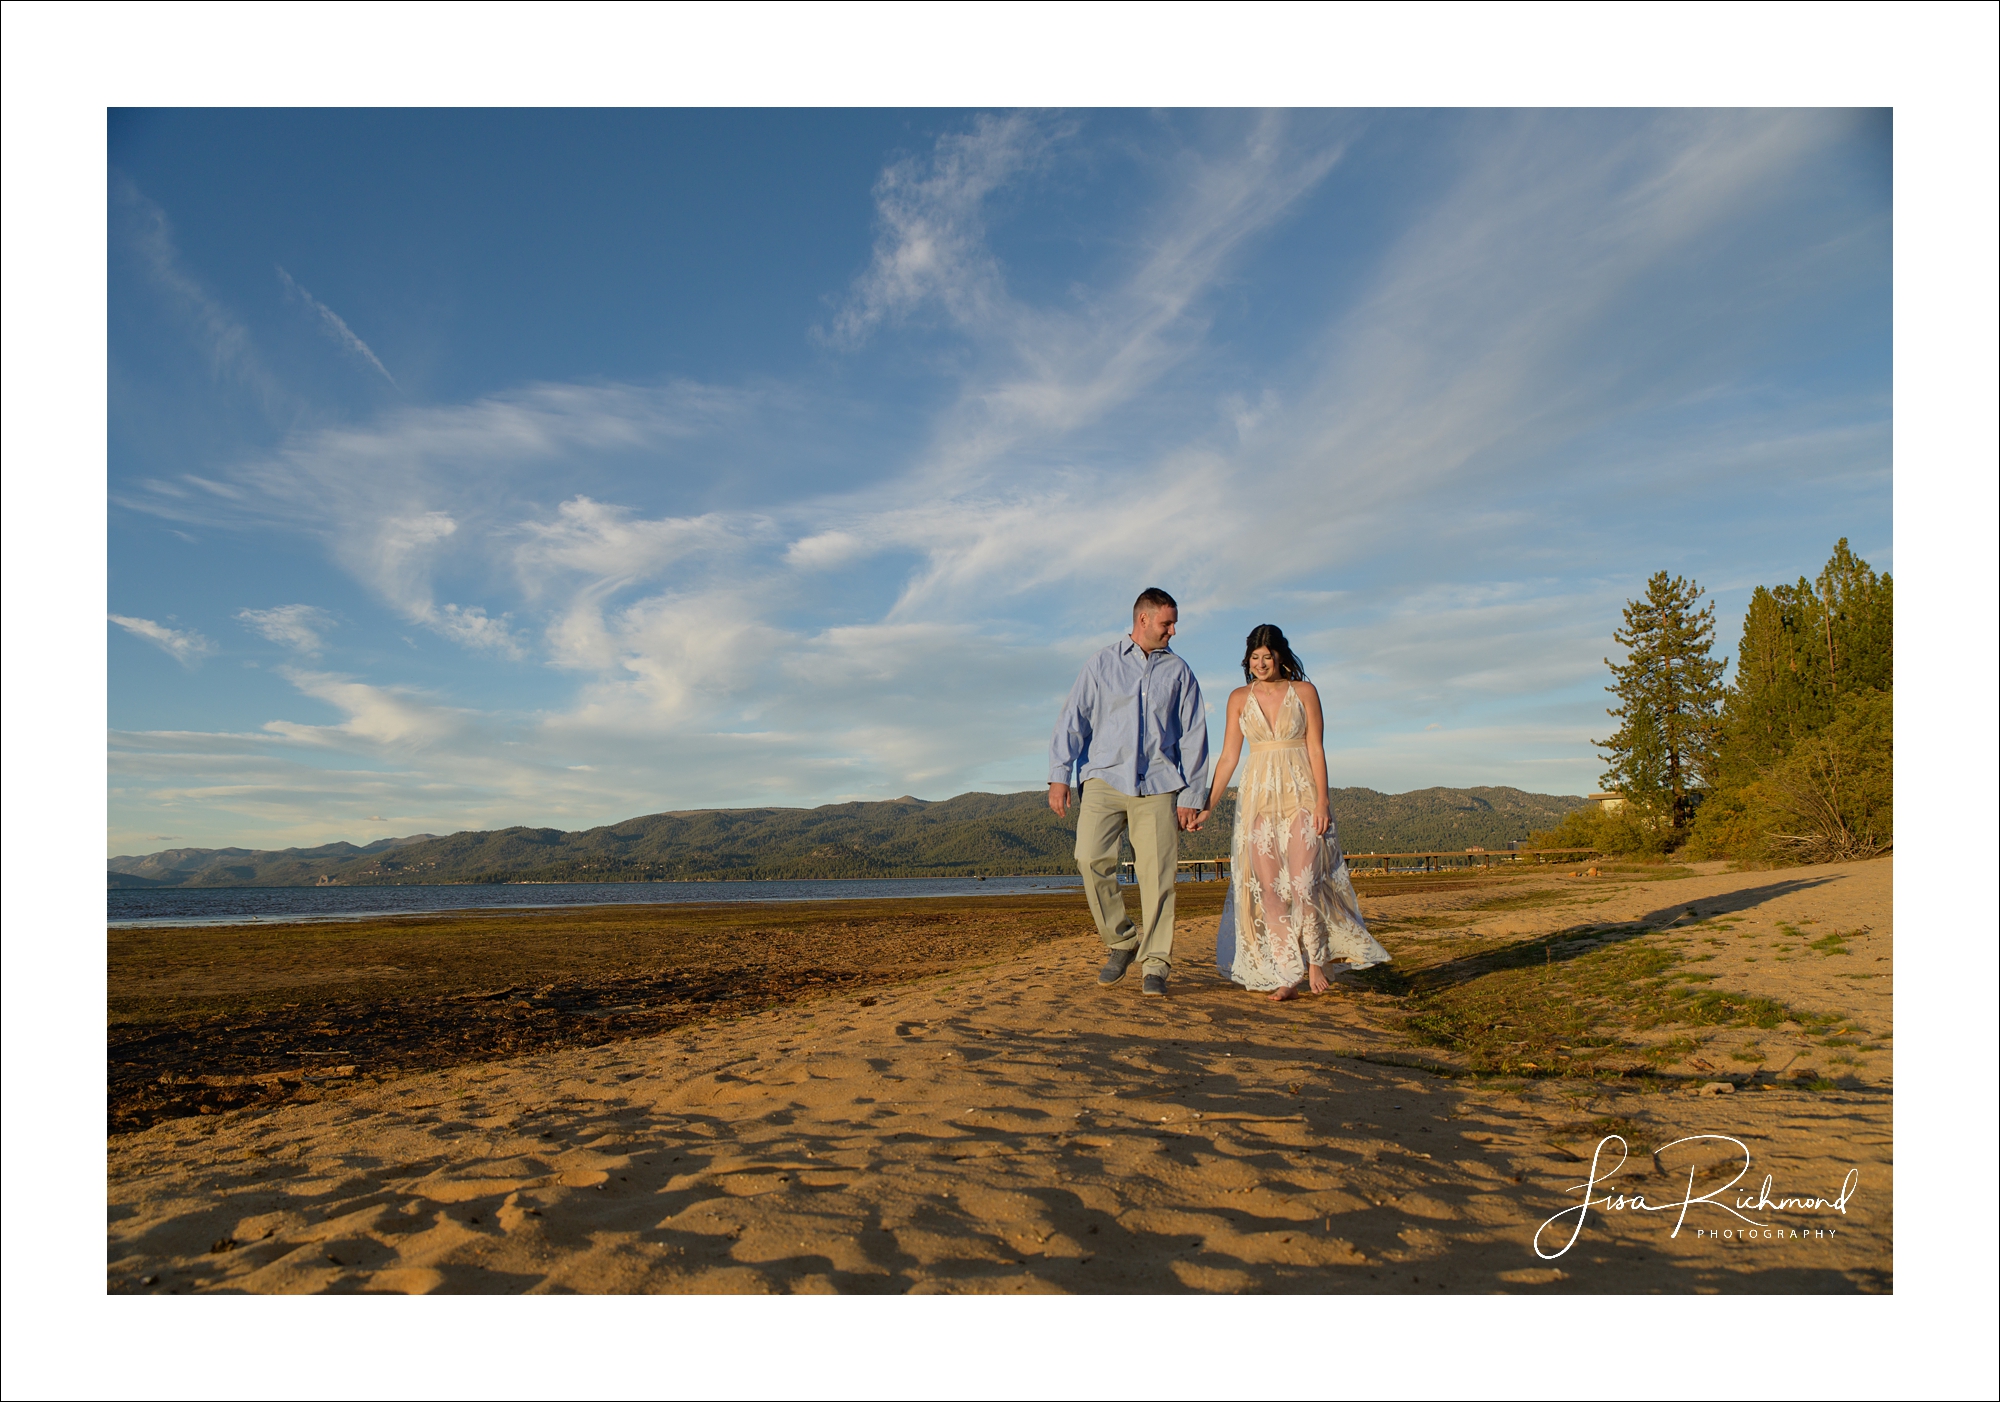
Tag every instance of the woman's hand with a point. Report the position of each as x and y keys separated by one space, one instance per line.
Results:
x=1322 y=819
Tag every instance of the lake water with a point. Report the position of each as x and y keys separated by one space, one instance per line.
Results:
x=291 y=904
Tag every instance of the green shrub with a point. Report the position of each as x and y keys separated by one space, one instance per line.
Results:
x=1624 y=832
x=1832 y=797
x=1732 y=824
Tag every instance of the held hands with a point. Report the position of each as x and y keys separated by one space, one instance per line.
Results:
x=1187 y=819
x=1191 y=821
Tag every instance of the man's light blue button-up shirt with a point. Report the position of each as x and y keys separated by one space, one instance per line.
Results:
x=1135 y=720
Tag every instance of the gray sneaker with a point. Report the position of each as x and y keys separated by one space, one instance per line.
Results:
x=1155 y=986
x=1116 y=962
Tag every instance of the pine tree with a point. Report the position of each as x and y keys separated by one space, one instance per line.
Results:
x=1772 y=701
x=1805 y=646
x=1853 y=608
x=1669 y=690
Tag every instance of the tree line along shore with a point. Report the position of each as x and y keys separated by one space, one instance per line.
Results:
x=1791 y=762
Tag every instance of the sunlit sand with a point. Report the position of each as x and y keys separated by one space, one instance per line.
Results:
x=1014 y=1128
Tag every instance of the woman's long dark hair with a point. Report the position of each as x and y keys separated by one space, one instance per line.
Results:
x=1270 y=635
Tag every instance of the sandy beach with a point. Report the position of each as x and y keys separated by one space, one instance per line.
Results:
x=1012 y=1127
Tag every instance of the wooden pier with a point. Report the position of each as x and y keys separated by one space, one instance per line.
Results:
x=1401 y=863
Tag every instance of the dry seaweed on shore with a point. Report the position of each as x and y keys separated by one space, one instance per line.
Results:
x=218 y=1018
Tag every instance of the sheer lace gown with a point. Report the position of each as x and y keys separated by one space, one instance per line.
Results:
x=1291 y=902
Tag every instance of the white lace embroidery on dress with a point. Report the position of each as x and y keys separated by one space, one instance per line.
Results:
x=1293 y=904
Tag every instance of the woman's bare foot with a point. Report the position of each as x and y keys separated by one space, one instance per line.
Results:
x=1316 y=978
x=1284 y=994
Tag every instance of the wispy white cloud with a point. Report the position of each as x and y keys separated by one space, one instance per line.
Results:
x=401 y=718
x=419 y=492
x=1456 y=644
x=984 y=518
x=473 y=461
x=184 y=645
x=396 y=556
x=611 y=546
x=473 y=627
x=930 y=245
x=232 y=354
x=826 y=550
x=332 y=324
x=296 y=626
x=1052 y=369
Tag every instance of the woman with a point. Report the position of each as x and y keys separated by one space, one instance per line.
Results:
x=1291 y=912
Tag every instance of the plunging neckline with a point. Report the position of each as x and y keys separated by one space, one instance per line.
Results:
x=1269 y=724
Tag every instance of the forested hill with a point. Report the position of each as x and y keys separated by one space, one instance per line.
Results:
x=240 y=866
x=973 y=834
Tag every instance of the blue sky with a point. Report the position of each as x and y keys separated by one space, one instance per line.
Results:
x=474 y=468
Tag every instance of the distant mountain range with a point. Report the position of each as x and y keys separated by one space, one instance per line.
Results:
x=975 y=834
x=240 y=866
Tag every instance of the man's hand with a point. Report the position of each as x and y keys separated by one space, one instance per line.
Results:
x=1059 y=799
x=1190 y=819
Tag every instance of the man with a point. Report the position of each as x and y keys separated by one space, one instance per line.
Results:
x=1136 y=737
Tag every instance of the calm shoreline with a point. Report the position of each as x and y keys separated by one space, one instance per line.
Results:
x=183 y=907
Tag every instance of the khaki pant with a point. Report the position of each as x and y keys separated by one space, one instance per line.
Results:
x=1103 y=816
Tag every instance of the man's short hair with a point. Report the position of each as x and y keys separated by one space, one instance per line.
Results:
x=1152 y=601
